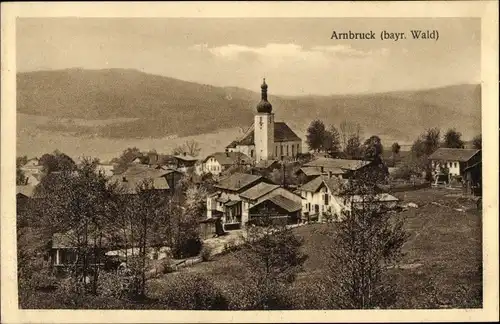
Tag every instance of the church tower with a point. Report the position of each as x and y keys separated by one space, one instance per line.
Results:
x=264 y=128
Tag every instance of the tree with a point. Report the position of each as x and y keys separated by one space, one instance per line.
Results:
x=452 y=139
x=477 y=142
x=191 y=148
x=331 y=143
x=80 y=206
x=373 y=148
x=395 y=149
x=353 y=148
x=368 y=240
x=316 y=134
x=273 y=253
x=148 y=209
x=347 y=131
x=285 y=175
x=57 y=162
x=20 y=176
x=426 y=143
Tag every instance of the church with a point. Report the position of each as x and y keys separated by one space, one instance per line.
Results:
x=267 y=139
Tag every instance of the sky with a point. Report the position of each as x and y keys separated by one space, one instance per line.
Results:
x=296 y=55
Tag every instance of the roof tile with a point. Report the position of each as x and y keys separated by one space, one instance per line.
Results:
x=451 y=154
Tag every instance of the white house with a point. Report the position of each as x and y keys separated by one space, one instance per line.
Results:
x=32 y=166
x=218 y=162
x=323 y=196
x=456 y=160
x=106 y=169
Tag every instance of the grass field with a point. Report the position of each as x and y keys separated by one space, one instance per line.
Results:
x=441 y=268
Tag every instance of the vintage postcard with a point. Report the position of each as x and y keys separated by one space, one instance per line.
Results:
x=184 y=162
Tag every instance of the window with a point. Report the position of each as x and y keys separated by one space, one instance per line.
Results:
x=251 y=153
x=287 y=150
x=281 y=149
x=293 y=150
x=326 y=198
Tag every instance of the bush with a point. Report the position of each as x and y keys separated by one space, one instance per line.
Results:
x=207 y=253
x=186 y=248
x=193 y=292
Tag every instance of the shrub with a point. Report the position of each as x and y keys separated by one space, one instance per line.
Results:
x=207 y=253
x=113 y=285
x=193 y=292
x=186 y=248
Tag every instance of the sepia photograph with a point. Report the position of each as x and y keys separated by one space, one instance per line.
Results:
x=249 y=163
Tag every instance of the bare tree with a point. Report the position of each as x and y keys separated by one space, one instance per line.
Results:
x=367 y=241
x=191 y=148
x=477 y=142
x=273 y=254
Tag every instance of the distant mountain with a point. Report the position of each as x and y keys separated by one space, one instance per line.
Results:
x=156 y=106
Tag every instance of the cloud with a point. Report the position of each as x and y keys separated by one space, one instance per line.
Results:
x=287 y=52
x=348 y=51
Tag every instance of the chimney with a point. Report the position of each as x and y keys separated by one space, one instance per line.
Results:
x=184 y=153
x=124 y=179
x=322 y=169
x=329 y=174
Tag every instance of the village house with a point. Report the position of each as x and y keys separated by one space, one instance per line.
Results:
x=267 y=165
x=323 y=196
x=106 y=169
x=340 y=168
x=241 y=197
x=184 y=162
x=472 y=178
x=136 y=175
x=32 y=166
x=454 y=160
x=217 y=163
x=267 y=139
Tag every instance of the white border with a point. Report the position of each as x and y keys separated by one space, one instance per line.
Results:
x=487 y=10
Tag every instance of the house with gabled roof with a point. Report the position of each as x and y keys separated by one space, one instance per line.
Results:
x=341 y=168
x=136 y=175
x=454 y=159
x=325 y=195
x=267 y=139
x=219 y=162
x=241 y=196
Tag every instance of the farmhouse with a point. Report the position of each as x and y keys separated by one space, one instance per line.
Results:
x=472 y=177
x=267 y=139
x=183 y=162
x=218 y=162
x=242 y=197
x=137 y=175
x=340 y=168
x=324 y=196
x=32 y=166
x=455 y=160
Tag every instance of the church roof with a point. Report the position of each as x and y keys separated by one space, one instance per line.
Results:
x=282 y=133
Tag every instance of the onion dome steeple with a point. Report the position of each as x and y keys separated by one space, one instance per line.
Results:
x=264 y=106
